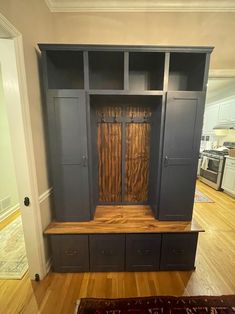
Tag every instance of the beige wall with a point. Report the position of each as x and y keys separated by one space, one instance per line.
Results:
x=8 y=186
x=213 y=29
x=33 y=19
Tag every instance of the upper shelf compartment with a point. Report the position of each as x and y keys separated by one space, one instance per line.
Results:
x=65 y=69
x=106 y=70
x=186 y=71
x=146 y=70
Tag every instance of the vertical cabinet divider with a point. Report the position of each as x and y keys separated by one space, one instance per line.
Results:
x=86 y=70
x=126 y=70
x=166 y=71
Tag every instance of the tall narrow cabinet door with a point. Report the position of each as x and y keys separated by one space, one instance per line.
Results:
x=182 y=133
x=68 y=143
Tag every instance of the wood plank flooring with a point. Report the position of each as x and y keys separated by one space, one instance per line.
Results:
x=122 y=219
x=9 y=219
x=214 y=275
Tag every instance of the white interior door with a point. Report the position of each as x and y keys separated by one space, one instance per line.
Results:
x=21 y=138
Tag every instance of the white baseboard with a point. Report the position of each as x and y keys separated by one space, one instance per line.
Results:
x=6 y=213
x=45 y=195
x=48 y=264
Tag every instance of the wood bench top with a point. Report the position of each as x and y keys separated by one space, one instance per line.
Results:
x=123 y=219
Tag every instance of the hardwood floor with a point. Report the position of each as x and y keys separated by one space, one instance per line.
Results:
x=214 y=275
x=9 y=219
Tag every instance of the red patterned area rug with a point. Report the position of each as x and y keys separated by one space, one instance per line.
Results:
x=158 y=305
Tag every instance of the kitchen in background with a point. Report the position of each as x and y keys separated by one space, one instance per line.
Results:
x=217 y=152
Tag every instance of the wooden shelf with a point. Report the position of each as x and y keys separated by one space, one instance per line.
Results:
x=123 y=219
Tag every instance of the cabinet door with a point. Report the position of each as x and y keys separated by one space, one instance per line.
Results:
x=211 y=117
x=225 y=113
x=143 y=252
x=182 y=133
x=107 y=252
x=178 y=251
x=68 y=143
x=228 y=183
x=70 y=252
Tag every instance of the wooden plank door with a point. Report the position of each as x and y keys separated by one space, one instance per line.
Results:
x=183 y=125
x=68 y=143
x=137 y=154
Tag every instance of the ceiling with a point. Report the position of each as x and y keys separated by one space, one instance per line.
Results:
x=141 y=5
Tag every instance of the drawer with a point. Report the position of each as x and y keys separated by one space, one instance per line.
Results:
x=230 y=162
x=70 y=253
x=143 y=252
x=178 y=251
x=107 y=252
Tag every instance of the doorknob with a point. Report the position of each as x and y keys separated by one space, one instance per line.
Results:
x=26 y=201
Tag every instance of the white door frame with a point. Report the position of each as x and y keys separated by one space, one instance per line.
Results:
x=17 y=105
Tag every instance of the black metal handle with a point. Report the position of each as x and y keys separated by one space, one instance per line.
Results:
x=26 y=201
x=71 y=252
x=178 y=251
x=107 y=252
x=143 y=252
x=166 y=161
x=84 y=161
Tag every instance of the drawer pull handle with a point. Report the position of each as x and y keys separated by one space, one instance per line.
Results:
x=71 y=252
x=144 y=252
x=177 y=252
x=107 y=252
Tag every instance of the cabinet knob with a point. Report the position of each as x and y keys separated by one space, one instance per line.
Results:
x=84 y=161
x=166 y=161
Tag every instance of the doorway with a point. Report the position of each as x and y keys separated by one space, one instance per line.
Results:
x=13 y=260
x=17 y=109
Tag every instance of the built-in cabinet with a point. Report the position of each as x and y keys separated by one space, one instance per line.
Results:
x=120 y=252
x=124 y=127
x=228 y=183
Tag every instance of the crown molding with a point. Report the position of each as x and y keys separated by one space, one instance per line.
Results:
x=141 y=5
x=221 y=73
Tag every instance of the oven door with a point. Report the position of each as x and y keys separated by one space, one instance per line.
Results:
x=214 y=165
x=209 y=175
x=212 y=171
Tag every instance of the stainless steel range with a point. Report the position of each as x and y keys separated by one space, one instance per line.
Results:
x=212 y=165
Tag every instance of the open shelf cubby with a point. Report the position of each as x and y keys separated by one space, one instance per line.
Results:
x=146 y=70
x=186 y=71
x=65 y=69
x=106 y=70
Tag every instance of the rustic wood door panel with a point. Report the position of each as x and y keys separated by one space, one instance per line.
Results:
x=137 y=162
x=110 y=162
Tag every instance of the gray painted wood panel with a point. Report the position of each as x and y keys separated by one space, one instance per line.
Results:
x=68 y=134
x=70 y=253
x=178 y=251
x=183 y=123
x=143 y=252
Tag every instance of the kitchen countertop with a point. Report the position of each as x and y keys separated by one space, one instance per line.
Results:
x=230 y=157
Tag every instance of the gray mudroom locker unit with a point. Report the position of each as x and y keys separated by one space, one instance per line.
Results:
x=124 y=126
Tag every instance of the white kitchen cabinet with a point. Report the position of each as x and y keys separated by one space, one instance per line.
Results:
x=210 y=119
x=227 y=112
x=228 y=183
